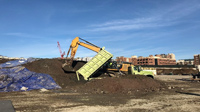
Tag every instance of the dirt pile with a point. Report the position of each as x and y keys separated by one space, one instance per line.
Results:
x=5 y=60
x=122 y=84
x=53 y=68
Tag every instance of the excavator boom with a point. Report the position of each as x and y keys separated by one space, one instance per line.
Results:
x=67 y=66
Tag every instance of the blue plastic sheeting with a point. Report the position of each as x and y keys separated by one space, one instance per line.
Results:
x=17 y=78
x=16 y=62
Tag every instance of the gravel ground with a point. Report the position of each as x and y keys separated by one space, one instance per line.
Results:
x=181 y=95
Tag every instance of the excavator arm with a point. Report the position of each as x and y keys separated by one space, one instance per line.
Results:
x=67 y=66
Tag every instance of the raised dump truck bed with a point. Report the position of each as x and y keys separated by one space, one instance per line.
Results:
x=94 y=64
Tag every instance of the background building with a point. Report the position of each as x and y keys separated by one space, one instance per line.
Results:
x=146 y=61
x=185 y=62
x=158 y=59
x=197 y=59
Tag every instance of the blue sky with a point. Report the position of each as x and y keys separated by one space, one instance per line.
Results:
x=31 y=28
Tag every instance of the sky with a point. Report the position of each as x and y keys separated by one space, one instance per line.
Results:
x=31 y=28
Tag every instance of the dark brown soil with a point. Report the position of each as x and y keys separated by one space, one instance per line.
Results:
x=122 y=84
x=53 y=68
x=5 y=60
x=125 y=84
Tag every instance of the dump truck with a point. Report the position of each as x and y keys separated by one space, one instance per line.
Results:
x=94 y=64
x=129 y=69
x=136 y=70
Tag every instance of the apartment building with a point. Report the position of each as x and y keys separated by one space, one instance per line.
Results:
x=146 y=61
x=185 y=62
x=158 y=59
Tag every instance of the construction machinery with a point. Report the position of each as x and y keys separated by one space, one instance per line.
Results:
x=61 y=53
x=123 y=67
x=95 y=64
x=91 y=66
x=102 y=60
x=136 y=70
x=67 y=66
x=129 y=69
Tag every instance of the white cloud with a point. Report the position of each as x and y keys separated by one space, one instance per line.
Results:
x=167 y=17
x=127 y=24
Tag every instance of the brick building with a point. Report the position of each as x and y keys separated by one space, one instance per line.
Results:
x=197 y=59
x=158 y=59
x=146 y=61
x=185 y=62
x=132 y=60
x=165 y=61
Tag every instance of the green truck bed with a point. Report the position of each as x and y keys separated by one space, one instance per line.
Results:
x=94 y=64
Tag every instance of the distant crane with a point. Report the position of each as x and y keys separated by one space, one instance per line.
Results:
x=61 y=53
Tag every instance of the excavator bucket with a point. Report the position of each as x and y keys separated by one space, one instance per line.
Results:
x=73 y=67
x=67 y=68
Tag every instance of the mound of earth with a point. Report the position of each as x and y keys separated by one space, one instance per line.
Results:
x=5 y=60
x=106 y=84
x=123 y=84
x=54 y=69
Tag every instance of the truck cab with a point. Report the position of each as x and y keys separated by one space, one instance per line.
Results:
x=136 y=70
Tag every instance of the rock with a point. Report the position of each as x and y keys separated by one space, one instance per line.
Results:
x=43 y=90
x=24 y=88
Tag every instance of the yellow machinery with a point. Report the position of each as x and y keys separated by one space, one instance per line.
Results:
x=67 y=66
x=128 y=68
x=124 y=67
x=110 y=67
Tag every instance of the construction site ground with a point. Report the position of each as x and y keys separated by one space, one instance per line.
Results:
x=167 y=93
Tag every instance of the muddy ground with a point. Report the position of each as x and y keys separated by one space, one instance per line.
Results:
x=165 y=93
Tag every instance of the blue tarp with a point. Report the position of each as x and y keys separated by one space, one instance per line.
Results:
x=17 y=78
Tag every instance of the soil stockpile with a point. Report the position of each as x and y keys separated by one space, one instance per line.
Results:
x=53 y=68
x=5 y=60
x=122 y=84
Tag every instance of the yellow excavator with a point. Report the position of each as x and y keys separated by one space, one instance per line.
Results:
x=70 y=65
x=67 y=66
